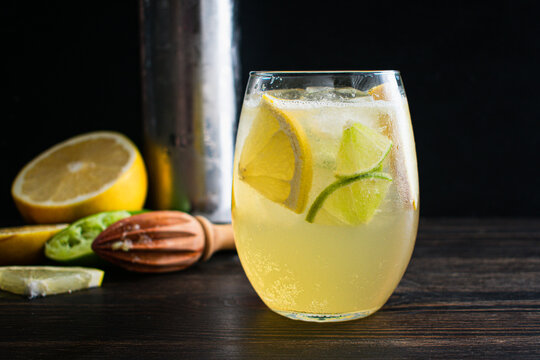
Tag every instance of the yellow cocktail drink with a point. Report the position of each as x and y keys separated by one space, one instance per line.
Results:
x=325 y=199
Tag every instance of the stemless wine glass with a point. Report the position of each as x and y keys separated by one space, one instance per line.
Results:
x=325 y=191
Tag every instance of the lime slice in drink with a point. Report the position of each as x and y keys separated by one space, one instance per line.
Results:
x=350 y=201
x=35 y=281
x=73 y=244
x=362 y=150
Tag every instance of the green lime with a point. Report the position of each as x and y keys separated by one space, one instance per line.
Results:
x=350 y=201
x=35 y=281
x=73 y=244
x=361 y=150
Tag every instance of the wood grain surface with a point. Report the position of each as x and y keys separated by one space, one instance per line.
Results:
x=472 y=290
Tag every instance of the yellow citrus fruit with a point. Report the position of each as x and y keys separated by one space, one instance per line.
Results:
x=24 y=245
x=276 y=157
x=386 y=91
x=35 y=281
x=84 y=175
x=159 y=162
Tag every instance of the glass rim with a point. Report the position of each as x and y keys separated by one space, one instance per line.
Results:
x=281 y=73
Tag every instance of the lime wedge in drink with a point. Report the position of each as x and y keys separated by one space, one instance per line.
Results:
x=361 y=150
x=73 y=244
x=350 y=201
x=35 y=281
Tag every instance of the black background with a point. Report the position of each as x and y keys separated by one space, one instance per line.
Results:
x=470 y=71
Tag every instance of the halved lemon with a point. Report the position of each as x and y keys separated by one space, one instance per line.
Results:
x=35 y=281
x=87 y=174
x=276 y=157
x=24 y=244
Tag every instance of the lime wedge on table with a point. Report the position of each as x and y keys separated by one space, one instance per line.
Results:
x=361 y=150
x=276 y=157
x=35 y=281
x=350 y=201
x=73 y=244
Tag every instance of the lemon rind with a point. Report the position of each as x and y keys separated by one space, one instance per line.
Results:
x=300 y=183
x=30 y=229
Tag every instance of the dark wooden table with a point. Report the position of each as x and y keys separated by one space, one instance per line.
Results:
x=472 y=290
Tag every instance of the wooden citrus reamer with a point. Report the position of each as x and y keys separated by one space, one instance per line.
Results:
x=162 y=241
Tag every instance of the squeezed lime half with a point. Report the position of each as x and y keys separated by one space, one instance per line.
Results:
x=73 y=244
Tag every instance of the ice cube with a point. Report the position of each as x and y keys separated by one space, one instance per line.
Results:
x=288 y=94
x=349 y=93
x=319 y=93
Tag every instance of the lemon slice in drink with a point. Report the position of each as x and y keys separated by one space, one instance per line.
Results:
x=350 y=201
x=35 y=281
x=89 y=173
x=361 y=150
x=276 y=157
x=387 y=91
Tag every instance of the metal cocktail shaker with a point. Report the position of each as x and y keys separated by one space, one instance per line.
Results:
x=190 y=77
